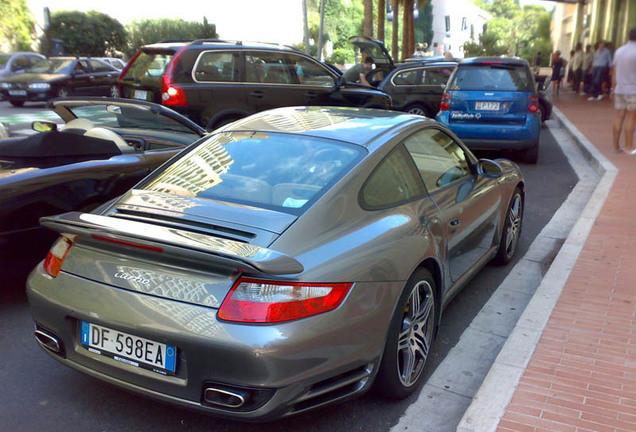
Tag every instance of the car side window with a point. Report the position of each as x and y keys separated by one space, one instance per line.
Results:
x=221 y=66
x=409 y=77
x=20 y=63
x=438 y=157
x=81 y=67
x=99 y=66
x=268 y=67
x=437 y=76
x=393 y=182
x=309 y=72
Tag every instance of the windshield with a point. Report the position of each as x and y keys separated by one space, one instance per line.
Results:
x=129 y=117
x=267 y=170
x=56 y=66
x=500 y=77
x=148 y=67
x=4 y=58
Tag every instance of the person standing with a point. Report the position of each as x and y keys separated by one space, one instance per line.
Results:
x=577 y=67
x=624 y=93
x=588 y=58
x=600 y=65
x=558 y=70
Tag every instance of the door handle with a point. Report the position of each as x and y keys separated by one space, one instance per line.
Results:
x=257 y=93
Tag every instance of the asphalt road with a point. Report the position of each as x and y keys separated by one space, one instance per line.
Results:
x=40 y=394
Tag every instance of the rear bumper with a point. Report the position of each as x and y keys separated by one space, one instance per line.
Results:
x=296 y=366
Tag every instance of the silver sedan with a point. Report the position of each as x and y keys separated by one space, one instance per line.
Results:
x=289 y=260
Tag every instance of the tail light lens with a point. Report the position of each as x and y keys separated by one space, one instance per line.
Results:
x=445 y=104
x=172 y=94
x=265 y=301
x=533 y=105
x=57 y=254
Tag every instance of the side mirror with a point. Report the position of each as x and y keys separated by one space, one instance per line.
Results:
x=489 y=168
x=44 y=126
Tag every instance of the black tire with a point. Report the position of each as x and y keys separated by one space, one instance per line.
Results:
x=409 y=338
x=17 y=104
x=511 y=230
x=221 y=122
x=541 y=113
x=417 y=109
x=531 y=155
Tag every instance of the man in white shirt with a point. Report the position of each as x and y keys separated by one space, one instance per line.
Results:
x=624 y=93
x=577 y=66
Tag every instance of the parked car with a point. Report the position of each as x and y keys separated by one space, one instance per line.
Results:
x=114 y=61
x=284 y=262
x=17 y=63
x=105 y=147
x=417 y=87
x=60 y=77
x=216 y=82
x=492 y=103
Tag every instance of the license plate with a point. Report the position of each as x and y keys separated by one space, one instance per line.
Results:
x=487 y=106
x=129 y=349
x=17 y=93
x=141 y=94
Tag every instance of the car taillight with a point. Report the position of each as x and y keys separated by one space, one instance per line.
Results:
x=172 y=94
x=533 y=105
x=445 y=104
x=265 y=301
x=56 y=256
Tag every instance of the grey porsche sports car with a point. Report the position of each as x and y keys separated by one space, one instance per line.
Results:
x=286 y=261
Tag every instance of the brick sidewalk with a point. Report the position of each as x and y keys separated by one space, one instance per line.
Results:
x=582 y=375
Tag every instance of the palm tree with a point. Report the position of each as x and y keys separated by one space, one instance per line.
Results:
x=368 y=18
x=381 y=18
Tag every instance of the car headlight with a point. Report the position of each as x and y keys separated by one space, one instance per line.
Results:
x=5 y=85
x=39 y=86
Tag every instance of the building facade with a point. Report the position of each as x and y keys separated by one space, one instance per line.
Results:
x=590 y=21
x=455 y=23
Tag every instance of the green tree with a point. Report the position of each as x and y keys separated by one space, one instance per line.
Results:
x=424 y=24
x=17 y=26
x=91 y=34
x=154 y=30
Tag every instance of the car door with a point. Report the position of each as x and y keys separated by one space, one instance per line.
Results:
x=102 y=76
x=270 y=81
x=79 y=80
x=315 y=83
x=468 y=203
x=216 y=89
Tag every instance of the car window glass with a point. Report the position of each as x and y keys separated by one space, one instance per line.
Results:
x=311 y=73
x=148 y=68
x=129 y=117
x=99 y=66
x=269 y=67
x=409 y=77
x=438 y=157
x=81 y=67
x=493 y=77
x=20 y=62
x=268 y=170
x=4 y=59
x=393 y=182
x=437 y=76
x=220 y=66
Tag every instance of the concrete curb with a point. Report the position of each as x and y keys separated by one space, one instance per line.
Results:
x=490 y=402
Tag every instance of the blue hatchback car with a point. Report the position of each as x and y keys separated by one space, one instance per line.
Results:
x=492 y=103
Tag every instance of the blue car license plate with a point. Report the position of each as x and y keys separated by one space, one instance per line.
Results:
x=487 y=106
x=129 y=349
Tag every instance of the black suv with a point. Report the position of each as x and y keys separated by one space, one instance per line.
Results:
x=215 y=82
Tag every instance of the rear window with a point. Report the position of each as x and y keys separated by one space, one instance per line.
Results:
x=148 y=67
x=268 y=170
x=498 y=77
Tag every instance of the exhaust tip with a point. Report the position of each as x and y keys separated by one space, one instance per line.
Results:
x=48 y=341
x=224 y=398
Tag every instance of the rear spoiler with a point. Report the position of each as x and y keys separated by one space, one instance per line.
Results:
x=176 y=242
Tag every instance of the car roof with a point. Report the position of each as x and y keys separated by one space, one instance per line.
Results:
x=354 y=125
x=219 y=43
x=414 y=64
x=493 y=60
